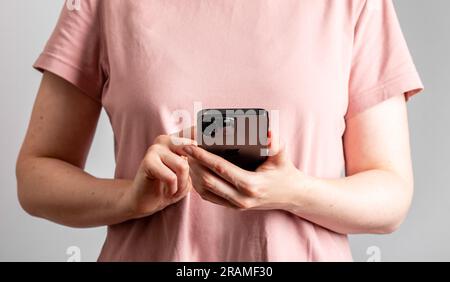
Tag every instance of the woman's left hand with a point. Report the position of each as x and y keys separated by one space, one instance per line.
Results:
x=271 y=186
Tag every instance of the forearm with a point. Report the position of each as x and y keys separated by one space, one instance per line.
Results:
x=374 y=201
x=63 y=193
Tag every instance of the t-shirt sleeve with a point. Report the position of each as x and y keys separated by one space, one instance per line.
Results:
x=73 y=51
x=382 y=66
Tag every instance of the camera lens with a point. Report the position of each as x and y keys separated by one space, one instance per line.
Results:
x=213 y=123
x=228 y=122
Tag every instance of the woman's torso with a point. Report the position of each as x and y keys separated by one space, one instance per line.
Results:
x=167 y=57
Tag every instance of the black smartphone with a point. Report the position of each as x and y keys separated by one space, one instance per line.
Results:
x=239 y=135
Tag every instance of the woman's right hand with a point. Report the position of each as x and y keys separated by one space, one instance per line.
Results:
x=162 y=178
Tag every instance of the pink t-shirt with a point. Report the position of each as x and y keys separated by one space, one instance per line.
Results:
x=317 y=62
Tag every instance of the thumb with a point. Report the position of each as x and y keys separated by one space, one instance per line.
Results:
x=279 y=155
x=277 y=148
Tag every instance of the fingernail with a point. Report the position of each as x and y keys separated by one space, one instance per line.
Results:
x=188 y=150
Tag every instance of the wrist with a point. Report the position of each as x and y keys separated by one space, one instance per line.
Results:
x=301 y=190
x=125 y=208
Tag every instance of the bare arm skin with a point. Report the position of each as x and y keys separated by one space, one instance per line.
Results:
x=50 y=177
x=373 y=198
x=376 y=195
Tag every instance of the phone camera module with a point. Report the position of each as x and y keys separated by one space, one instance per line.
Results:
x=228 y=122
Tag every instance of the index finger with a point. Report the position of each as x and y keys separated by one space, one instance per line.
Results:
x=176 y=144
x=228 y=171
x=189 y=133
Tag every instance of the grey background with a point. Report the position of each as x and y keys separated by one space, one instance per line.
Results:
x=25 y=27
